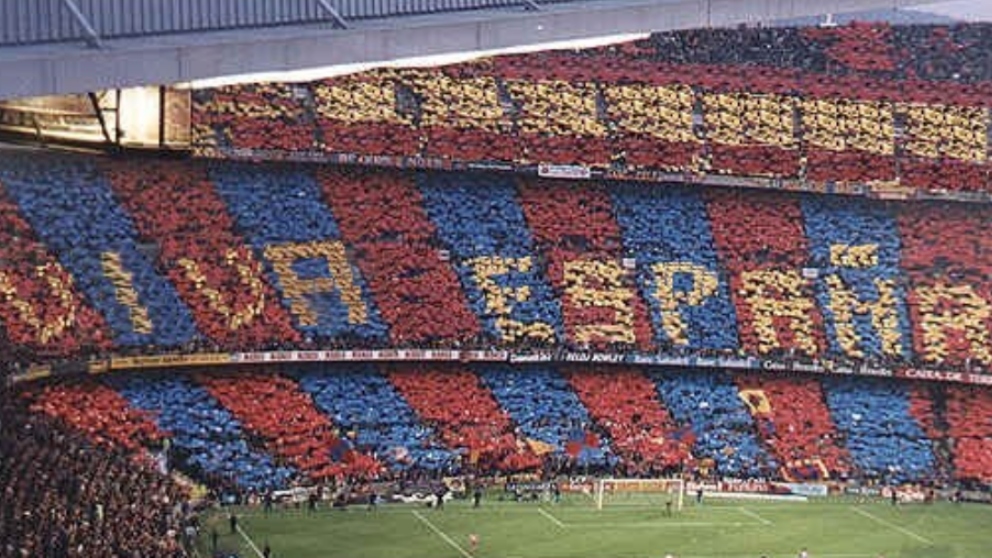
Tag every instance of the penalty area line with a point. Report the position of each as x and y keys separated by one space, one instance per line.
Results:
x=441 y=534
x=552 y=518
x=754 y=515
x=250 y=542
x=891 y=525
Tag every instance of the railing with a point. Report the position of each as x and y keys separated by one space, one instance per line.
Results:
x=699 y=360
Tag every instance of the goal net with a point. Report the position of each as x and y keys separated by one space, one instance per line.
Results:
x=639 y=492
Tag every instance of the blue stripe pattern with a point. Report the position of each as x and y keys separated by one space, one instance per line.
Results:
x=73 y=209
x=280 y=206
x=479 y=216
x=209 y=435
x=670 y=225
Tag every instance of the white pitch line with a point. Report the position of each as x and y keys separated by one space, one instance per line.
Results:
x=250 y=542
x=750 y=513
x=773 y=555
x=441 y=534
x=552 y=518
x=891 y=525
x=663 y=524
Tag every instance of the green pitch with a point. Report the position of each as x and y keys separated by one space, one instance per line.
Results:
x=575 y=529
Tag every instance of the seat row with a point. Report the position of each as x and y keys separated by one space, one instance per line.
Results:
x=841 y=106
x=245 y=257
x=259 y=430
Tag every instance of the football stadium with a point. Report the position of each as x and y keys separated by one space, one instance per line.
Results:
x=495 y=279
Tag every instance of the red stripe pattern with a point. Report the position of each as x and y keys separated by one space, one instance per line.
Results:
x=273 y=408
x=380 y=215
x=762 y=245
x=454 y=401
x=575 y=229
x=969 y=419
x=102 y=413
x=625 y=403
x=797 y=427
x=215 y=273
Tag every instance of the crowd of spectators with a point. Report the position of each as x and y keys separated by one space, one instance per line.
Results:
x=131 y=257
x=864 y=105
x=65 y=495
x=248 y=257
x=328 y=424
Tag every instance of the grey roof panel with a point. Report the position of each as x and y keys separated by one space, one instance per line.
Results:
x=48 y=21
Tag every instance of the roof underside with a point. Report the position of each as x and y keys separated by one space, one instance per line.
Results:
x=70 y=46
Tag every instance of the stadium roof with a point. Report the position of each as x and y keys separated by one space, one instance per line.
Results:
x=69 y=46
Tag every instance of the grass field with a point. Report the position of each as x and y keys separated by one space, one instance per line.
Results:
x=575 y=529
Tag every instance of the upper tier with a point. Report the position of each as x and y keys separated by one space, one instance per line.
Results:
x=109 y=256
x=873 y=109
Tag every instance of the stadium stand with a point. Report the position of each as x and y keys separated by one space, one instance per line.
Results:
x=106 y=261
x=176 y=209
x=482 y=225
x=456 y=403
x=762 y=248
x=863 y=107
x=363 y=403
x=625 y=406
x=548 y=413
x=32 y=274
x=576 y=234
x=969 y=414
x=209 y=441
x=884 y=439
x=722 y=427
x=99 y=412
x=283 y=214
x=197 y=257
x=792 y=418
x=255 y=431
x=668 y=236
x=96 y=241
x=272 y=408
x=65 y=496
x=382 y=219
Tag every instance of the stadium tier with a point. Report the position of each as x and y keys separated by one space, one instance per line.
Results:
x=78 y=491
x=316 y=423
x=247 y=327
x=108 y=257
x=876 y=109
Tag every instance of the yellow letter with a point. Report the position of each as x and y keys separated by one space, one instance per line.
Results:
x=61 y=297
x=884 y=316
x=759 y=289
x=742 y=118
x=283 y=256
x=845 y=303
x=123 y=282
x=597 y=284
x=499 y=300
x=359 y=99
x=557 y=107
x=459 y=103
x=219 y=302
x=842 y=124
x=945 y=309
x=664 y=112
x=704 y=284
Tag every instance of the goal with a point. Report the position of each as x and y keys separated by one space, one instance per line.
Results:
x=639 y=492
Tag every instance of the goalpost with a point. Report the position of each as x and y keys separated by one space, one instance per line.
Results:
x=639 y=492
